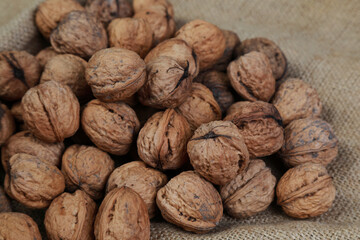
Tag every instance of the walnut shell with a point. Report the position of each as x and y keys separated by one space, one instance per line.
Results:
x=140 y=5
x=140 y=178
x=16 y=111
x=51 y=111
x=296 y=99
x=14 y=225
x=19 y=71
x=79 y=33
x=70 y=216
x=199 y=207
x=309 y=140
x=122 y=215
x=4 y=202
x=251 y=77
x=206 y=39
x=260 y=124
x=200 y=107
x=108 y=10
x=305 y=191
x=110 y=126
x=45 y=55
x=232 y=42
x=111 y=81
x=7 y=124
x=250 y=192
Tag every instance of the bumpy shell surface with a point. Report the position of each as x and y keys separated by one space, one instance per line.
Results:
x=7 y=124
x=296 y=99
x=19 y=71
x=122 y=215
x=45 y=55
x=232 y=43
x=108 y=10
x=15 y=225
x=206 y=39
x=140 y=5
x=251 y=77
x=79 y=33
x=305 y=191
x=4 y=202
x=51 y=111
x=110 y=126
x=250 y=192
x=309 y=140
x=190 y=202
x=70 y=217
x=115 y=74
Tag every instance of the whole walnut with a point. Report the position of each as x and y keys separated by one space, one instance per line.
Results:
x=51 y=111
x=14 y=225
x=140 y=5
x=140 y=178
x=296 y=99
x=309 y=140
x=305 y=191
x=110 y=126
x=33 y=182
x=79 y=33
x=122 y=215
x=251 y=77
x=19 y=71
x=190 y=202
x=107 y=10
x=260 y=124
x=162 y=141
x=218 y=152
x=232 y=43
x=7 y=124
x=270 y=49
x=45 y=55
x=250 y=192
x=70 y=216
x=16 y=111
x=206 y=39
x=115 y=74
x=4 y=202
x=200 y=107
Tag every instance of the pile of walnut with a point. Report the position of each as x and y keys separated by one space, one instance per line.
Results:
x=119 y=77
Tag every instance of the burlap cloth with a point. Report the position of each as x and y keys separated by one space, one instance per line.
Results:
x=321 y=40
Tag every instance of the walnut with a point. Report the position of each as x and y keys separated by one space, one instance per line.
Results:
x=305 y=191
x=115 y=74
x=86 y=168
x=140 y=5
x=7 y=124
x=199 y=207
x=122 y=215
x=45 y=55
x=33 y=182
x=16 y=111
x=206 y=39
x=260 y=124
x=296 y=99
x=79 y=33
x=4 y=202
x=110 y=126
x=51 y=111
x=232 y=43
x=14 y=225
x=19 y=71
x=201 y=99
x=140 y=178
x=270 y=49
x=70 y=216
x=250 y=192
x=251 y=77
x=309 y=140
x=134 y=34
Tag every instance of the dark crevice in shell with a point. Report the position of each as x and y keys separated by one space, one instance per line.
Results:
x=18 y=72
x=210 y=135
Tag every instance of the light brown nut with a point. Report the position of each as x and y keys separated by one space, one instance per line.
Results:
x=16 y=111
x=19 y=71
x=260 y=124
x=251 y=77
x=79 y=33
x=250 y=192
x=33 y=182
x=122 y=215
x=115 y=74
x=51 y=111
x=309 y=140
x=15 y=225
x=140 y=5
x=162 y=141
x=296 y=99
x=110 y=126
x=305 y=191
x=134 y=34
x=70 y=216
x=140 y=178
x=229 y=54
x=45 y=55
x=206 y=39
x=7 y=124
x=200 y=107
x=4 y=202
x=108 y=10
x=199 y=207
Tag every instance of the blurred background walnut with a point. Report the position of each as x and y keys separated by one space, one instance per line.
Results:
x=140 y=5
x=232 y=41
x=4 y=202
x=15 y=225
x=7 y=124
x=45 y=55
x=16 y=112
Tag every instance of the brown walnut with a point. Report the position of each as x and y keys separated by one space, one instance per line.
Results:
x=7 y=124
x=14 y=225
x=45 y=55
x=232 y=43
x=140 y=5
x=4 y=202
x=16 y=111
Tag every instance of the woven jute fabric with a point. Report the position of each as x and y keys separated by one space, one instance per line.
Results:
x=321 y=40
